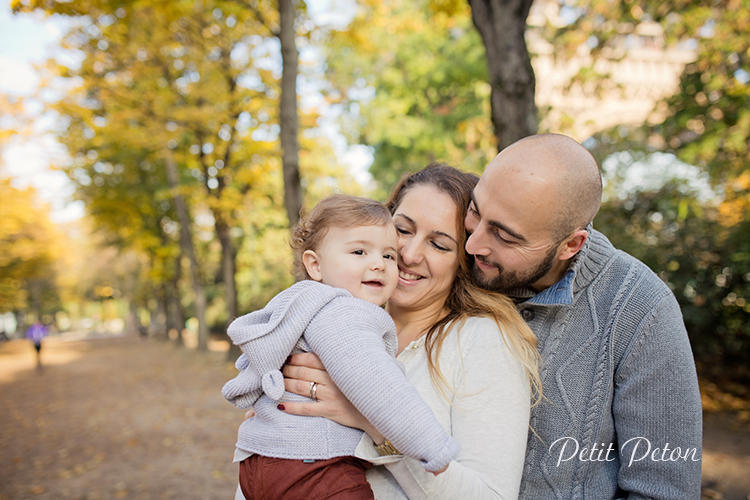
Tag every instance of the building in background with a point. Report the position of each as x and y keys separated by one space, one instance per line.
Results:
x=640 y=72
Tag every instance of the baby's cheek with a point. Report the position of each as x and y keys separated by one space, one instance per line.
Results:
x=392 y=271
x=392 y=281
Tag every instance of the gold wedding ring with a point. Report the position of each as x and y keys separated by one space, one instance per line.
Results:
x=313 y=390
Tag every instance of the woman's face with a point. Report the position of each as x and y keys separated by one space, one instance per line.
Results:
x=428 y=248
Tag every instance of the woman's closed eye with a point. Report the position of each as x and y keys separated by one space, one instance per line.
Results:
x=439 y=247
x=402 y=230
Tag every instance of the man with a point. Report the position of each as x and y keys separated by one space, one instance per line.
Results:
x=621 y=412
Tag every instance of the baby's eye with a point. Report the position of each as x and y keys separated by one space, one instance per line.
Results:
x=358 y=252
x=390 y=256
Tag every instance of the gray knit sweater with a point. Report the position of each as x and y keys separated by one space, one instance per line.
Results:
x=356 y=341
x=621 y=415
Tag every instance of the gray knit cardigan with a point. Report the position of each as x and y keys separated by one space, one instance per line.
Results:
x=618 y=375
x=356 y=341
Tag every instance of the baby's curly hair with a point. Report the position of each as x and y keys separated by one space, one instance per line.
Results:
x=337 y=210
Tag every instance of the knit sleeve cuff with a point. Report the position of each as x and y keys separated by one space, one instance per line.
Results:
x=443 y=458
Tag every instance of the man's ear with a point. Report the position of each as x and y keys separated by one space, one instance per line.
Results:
x=573 y=244
x=312 y=264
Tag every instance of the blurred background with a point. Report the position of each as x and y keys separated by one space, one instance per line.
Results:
x=154 y=152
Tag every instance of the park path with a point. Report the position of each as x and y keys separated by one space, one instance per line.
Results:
x=121 y=418
x=115 y=419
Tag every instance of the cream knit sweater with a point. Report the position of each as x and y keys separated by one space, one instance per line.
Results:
x=487 y=412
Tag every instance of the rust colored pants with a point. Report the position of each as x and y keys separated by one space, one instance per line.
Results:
x=342 y=478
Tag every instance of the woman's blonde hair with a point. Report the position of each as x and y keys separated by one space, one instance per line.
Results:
x=337 y=210
x=466 y=299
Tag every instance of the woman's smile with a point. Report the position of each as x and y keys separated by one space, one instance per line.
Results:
x=407 y=277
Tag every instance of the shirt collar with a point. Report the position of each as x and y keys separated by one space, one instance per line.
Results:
x=561 y=292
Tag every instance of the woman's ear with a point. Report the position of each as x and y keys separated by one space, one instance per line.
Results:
x=312 y=264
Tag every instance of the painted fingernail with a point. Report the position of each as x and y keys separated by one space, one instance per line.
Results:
x=281 y=407
x=288 y=360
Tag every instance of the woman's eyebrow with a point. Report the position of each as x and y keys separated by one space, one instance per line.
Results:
x=405 y=217
x=439 y=233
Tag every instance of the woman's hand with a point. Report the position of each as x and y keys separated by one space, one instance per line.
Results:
x=303 y=369
x=440 y=471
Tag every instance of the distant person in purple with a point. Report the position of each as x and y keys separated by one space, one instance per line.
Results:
x=36 y=333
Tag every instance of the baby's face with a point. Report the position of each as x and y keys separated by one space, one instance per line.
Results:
x=361 y=260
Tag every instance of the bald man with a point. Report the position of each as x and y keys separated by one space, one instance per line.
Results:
x=621 y=413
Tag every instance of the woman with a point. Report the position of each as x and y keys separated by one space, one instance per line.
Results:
x=468 y=353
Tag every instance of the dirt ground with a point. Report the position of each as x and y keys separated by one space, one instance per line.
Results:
x=121 y=418
x=115 y=419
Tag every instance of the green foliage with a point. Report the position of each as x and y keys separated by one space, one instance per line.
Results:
x=265 y=265
x=412 y=82
x=708 y=125
x=705 y=264
x=708 y=122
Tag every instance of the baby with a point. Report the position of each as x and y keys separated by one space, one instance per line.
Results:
x=346 y=252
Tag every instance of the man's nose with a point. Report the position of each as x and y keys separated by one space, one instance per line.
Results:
x=474 y=243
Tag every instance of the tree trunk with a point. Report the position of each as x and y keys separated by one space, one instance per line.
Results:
x=186 y=243
x=177 y=318
x=133 y=324
x=169 y=300
x=228 y=265
x=288 y=112
x=159 y=325
x=502 y=25
x=35 y=291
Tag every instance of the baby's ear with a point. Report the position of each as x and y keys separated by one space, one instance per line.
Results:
x=312 y=264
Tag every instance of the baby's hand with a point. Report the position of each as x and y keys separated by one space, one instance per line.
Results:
x=251 y=413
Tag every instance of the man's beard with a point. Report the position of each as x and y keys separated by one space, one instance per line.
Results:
x=507 y=281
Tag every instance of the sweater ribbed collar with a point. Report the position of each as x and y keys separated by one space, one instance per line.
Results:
x=586 y=264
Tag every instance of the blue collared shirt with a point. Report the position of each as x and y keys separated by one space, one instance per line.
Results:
x=559 y=293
